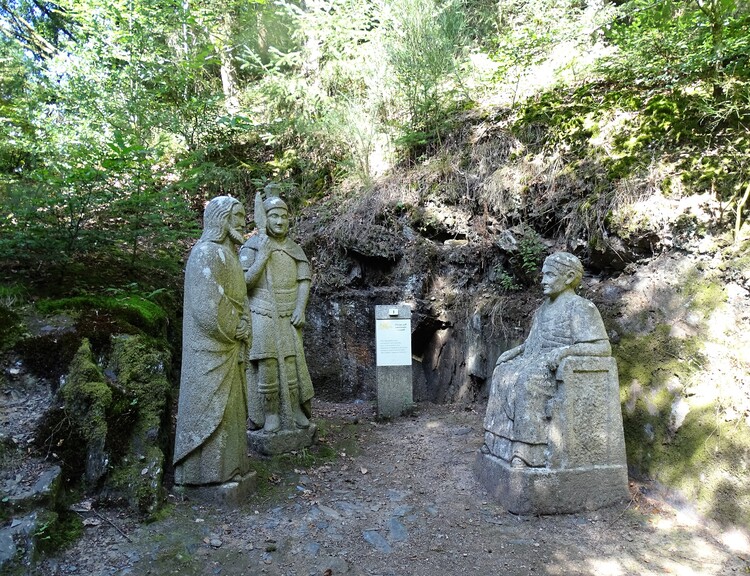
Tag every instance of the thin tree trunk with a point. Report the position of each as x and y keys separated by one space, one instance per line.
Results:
x=223 y=46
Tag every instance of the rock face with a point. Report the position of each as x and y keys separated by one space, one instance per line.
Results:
x=677 y=314
x=340 y=333
x=457 y=322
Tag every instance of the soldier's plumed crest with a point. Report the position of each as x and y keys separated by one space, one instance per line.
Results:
x=263 y=207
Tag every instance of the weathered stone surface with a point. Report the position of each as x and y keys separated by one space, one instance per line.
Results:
x=282 y=441
x=340 y=331
x=394 y=390
x=586 y=450
x=229 y=494
x=553 y=429
x=18 y=542
x=546 y=491
x=43 y=492
x=278 y=277
x=376 y=242
x=210 y=441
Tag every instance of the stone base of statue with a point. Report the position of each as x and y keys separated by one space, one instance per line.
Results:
x=230 y=494
x=585 y=455
x=282 y=441
x=534 y=491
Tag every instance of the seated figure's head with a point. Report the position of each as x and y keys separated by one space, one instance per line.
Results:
x=561 y=271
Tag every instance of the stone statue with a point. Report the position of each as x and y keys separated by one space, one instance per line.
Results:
x=278 y=277
x=516 y=423
x=211 y=439
x=553 y=437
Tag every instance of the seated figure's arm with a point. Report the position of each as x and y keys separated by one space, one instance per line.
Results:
x=595 y=348
x=510 y=354
x=589 y=335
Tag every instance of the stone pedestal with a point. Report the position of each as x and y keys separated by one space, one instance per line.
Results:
x=394 y=362
x=282 y=441
x=585 y=452
x=544 y=491
x=230 y=494
x=394 y=391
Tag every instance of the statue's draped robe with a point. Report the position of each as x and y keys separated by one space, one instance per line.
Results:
x=517 y=418
x=271 y=302
x=211 y=441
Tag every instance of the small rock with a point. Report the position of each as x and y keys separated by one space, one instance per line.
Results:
x=397 y=531
x=374 y=538
x=215 y=543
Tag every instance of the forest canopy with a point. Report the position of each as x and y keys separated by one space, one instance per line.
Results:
x=120 y=118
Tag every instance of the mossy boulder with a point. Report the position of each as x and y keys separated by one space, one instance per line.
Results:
x=109 y=428
x=131 y=313
x=87 y=399
x=140 y=369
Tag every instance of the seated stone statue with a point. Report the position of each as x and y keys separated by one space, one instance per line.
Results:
x=553 y=437
x=524 y=382
x=211 y=442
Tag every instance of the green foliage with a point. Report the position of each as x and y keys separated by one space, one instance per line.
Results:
x=530 y=253
x=423 y=43
x=525 y=262
x=120 y=119
x=135 y=310
x=610 y=133
x=57 y=530
x=505 y=279
x=674 y=43
x=11 y=327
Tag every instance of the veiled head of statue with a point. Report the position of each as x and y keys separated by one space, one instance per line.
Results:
x=564 y=262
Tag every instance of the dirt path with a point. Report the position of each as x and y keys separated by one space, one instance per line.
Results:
x=400 y=499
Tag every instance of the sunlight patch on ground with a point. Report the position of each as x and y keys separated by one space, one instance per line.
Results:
x=672 y=567
x=736 y=540
x=679 y=518
x=702 y=549
x=609 y=567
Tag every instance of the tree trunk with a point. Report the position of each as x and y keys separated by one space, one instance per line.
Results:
x=223 y=46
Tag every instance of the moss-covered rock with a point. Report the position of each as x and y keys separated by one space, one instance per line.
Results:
x=130 y=312
x=109 y=428
x=139 y=368
x=87 y=398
